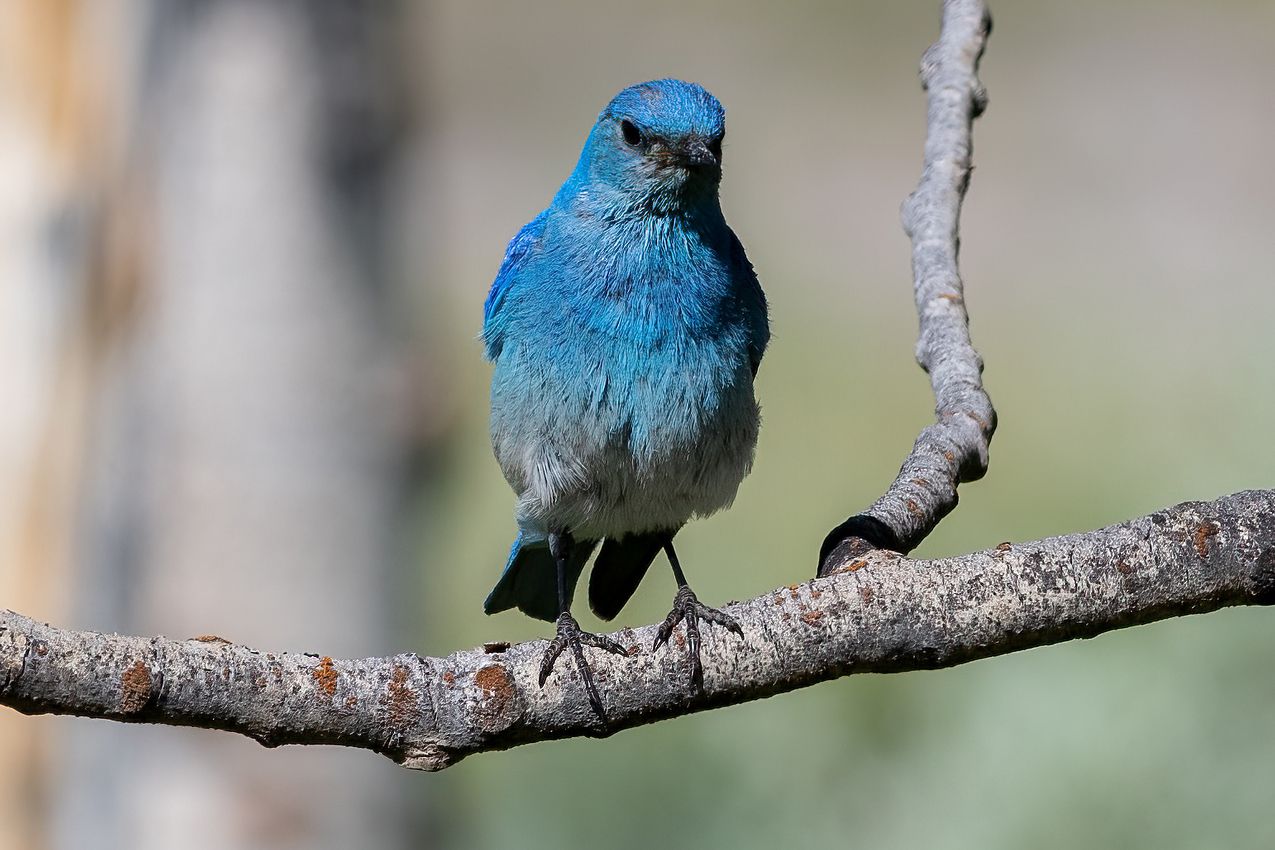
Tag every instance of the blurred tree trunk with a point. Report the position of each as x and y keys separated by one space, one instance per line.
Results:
x=57 y=116
x=248 y=426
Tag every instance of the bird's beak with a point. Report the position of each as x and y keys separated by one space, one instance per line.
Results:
x=696 y=153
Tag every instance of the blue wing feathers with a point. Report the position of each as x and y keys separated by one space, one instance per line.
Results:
x=753 y=302
x=520 y=249
x=623 y=323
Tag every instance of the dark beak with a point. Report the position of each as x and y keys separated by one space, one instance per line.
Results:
x=696 y=153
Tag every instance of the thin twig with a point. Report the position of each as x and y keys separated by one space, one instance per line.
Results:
x=954 y=449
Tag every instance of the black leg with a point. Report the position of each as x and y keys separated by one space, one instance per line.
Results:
x=686 y=607
x=569 y=633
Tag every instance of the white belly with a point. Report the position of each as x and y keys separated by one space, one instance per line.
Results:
x=646 y=455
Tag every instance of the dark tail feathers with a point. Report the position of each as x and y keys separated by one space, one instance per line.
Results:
x=619 y=569
x=530 y=579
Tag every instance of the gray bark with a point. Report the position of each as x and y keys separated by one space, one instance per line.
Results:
x=954 y=449
x=882 y=613
x=871 y=611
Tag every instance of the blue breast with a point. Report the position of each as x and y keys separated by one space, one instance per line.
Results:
x=635 y=329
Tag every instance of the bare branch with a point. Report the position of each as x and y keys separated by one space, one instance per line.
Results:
x=883 y=613
x=954 y=449
x=879 y=612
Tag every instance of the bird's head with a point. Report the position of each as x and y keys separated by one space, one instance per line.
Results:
x=659 y=144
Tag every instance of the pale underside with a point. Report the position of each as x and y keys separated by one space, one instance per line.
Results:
x=646 y=441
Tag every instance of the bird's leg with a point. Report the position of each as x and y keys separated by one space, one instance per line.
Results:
x=569 y=633
x=688 y=608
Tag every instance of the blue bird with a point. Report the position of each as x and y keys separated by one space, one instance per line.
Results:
x=626 y=326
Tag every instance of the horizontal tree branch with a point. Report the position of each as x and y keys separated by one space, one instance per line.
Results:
x=880 y=614
x=871 y=611
x=955 y=448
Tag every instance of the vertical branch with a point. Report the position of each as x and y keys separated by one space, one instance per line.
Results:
x=955 y=448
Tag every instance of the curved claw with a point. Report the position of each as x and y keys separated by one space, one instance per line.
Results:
x=603 y=642
x=595 y=699
x=720 y=618
x=666 y=628
x=693 y=643
x=570 y=635
x=686 y=606
x=550 y=657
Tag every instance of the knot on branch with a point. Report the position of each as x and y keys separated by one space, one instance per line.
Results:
x=960 y=34
x=854 y=538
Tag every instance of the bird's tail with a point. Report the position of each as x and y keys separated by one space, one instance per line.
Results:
x=530 y=579
x=619 y=569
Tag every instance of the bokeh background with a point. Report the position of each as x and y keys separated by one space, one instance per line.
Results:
x=243 y=251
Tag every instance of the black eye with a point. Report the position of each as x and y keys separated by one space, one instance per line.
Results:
x=715 y=148
x=632 y=134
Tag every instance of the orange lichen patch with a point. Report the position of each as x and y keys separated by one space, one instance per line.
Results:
x=679 y=639
x=811 y=617
x=1203 y=532
x=950 y=457
x=325 y=675
x=866 y=594
x=854 y=565
x=210 y=639
x=920 y=482
x=496 y=706
x=1004 y=547
x=914 y=507
x=351 y=701
x=779 y=600
x=135 y=688
x=495 y=683
x=951 y=296
x=400 y=699
x=815 y=594
x=448 y=677
x=1123 y=567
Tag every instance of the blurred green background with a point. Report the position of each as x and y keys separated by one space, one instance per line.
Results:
x=1118 y=256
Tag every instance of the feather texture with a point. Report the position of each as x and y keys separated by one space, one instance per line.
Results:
x=626 y=326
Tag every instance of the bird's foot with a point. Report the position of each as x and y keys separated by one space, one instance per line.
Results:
x=687 y=607
x=570 y=635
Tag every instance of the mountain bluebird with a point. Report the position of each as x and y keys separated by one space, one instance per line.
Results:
x=626 y=326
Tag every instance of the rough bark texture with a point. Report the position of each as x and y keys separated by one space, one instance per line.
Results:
x=880 y=614
x=875 y=612
x=954 y=449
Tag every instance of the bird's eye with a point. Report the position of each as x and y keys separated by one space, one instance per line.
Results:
x=632 y=135
x=715 y=148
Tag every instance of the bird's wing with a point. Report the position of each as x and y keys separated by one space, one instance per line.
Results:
x=753 y=302
x=521 y=247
